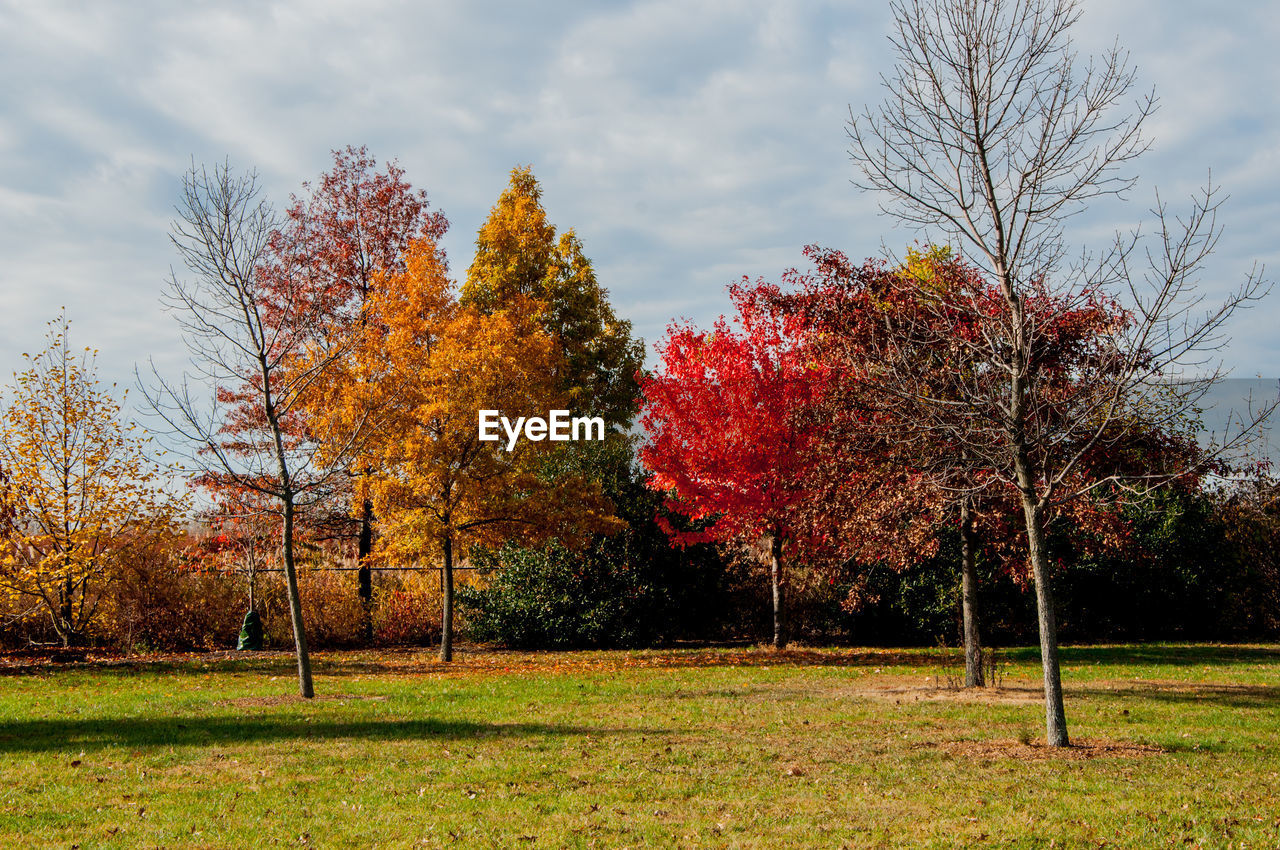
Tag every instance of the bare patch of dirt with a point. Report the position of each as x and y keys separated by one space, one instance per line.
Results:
x=1086 y=748
x=913 y=689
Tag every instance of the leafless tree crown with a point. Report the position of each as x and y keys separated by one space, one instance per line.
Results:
x=991 y=131
x=240 y=334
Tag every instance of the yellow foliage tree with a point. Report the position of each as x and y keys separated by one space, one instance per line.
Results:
x=519 y=255
x=80 y=489
x=424 y=367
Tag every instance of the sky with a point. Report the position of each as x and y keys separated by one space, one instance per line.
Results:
x=688 y=143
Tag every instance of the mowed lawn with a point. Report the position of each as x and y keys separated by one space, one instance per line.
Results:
x=689 y=748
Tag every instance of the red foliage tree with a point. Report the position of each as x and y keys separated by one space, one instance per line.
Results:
x=909 y=407
x=350 y=225
x=723 y=441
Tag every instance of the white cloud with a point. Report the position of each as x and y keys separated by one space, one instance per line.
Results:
x=688 y=143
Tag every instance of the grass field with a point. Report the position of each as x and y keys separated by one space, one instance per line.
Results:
x=690 y=748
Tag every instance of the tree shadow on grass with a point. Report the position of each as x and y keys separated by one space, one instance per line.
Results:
x=54 y=735
x=1155 y=654
x=1188 y=693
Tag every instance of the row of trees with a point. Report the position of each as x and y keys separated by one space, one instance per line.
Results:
x=339 y=371
x=857 y=410
x=1011 y=379
x=349 y=369
x=1185 y=566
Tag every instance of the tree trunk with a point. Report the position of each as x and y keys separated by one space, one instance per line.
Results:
x=65 y=631
x=364 y=575
x=253 y=585
x=446 y=620
x=1025 y=476
x=1055 y=716
x=775 y=576
x=295 y=605
x=969 y=597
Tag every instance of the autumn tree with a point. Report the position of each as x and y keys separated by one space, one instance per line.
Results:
x=877 y=498
x=856 y=319
x=522 y=263
x=722 y=438
x=352 y=224
x=990 y=137
x=428 y=365
x=859 y=318
x=519 y=256
x=80 y=487
x=248 y=319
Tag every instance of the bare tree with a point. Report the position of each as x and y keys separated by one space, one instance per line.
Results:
x=246 y=324
x=993 y=133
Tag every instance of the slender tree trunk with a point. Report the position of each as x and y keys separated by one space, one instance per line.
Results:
x=295 y=605
x=364 y=575
x=775 y=576
x=446 y=620
x=969 y=597
x=67 y=632
x=1055 y=716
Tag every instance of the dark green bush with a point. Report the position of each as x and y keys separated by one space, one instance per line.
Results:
x=1194 y=566
x=554 y=598
x=626 y=590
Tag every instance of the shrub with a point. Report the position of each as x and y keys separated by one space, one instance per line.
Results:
x=406 y=608
x=23 y=622
x=158 y=601
x=554 y=598
x=630 y=589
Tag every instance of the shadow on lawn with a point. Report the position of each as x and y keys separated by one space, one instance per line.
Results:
x=47 y=735
x=1156 y=654
x=1190 y=693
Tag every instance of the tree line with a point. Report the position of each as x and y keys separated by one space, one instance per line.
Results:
x=845 y=420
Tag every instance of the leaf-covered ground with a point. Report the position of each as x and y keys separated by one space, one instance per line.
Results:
x=690 y=748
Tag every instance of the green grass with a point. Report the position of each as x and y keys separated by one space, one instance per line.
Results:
x=744 y=748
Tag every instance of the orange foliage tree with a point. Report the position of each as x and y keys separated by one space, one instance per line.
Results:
x=348 y=226
x=423 y=366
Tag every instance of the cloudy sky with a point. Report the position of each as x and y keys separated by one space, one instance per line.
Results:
x=689 y=143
